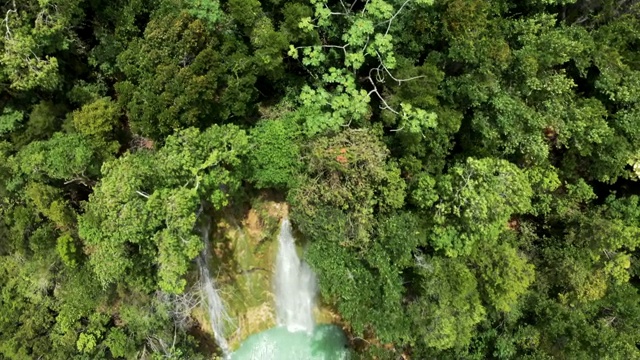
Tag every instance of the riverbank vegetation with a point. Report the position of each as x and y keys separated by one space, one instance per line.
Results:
x=464 y=172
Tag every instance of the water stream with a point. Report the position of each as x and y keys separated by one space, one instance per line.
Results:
x=215 y=307
x=295 y=285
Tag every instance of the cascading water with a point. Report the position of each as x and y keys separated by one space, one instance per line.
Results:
x=295 y=285
x=296 y=337
x=215 y=307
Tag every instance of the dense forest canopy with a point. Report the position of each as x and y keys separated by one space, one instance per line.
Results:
x=465 y=171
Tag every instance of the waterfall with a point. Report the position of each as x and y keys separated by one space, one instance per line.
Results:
x=217 y=313
x=295 y=285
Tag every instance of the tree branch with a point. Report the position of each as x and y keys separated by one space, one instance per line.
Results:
x=8 y=34
x=344 y=7
x=400 y=81
x=352 y=5
x=392 y=18
x=364 y=7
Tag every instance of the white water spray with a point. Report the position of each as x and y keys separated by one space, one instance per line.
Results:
x=215 y=307
x=295 y=285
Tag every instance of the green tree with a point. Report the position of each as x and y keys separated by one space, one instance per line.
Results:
x=68 y=157
x=477 y=199
x=143 y=211
x=336 y=98
x=448 y=309
x=275 y=156
x=503 y=274
x=350 y=172
x=35 y=31
x=183 y=73
x=99 y=122
x=44 y=119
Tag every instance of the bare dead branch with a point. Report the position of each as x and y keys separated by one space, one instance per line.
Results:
x=394 y=16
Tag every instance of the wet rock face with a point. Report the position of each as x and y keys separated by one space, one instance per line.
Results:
x=297 y=336
x=243 y=259
x=243 y=255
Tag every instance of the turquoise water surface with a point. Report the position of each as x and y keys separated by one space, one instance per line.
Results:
x=327 y=342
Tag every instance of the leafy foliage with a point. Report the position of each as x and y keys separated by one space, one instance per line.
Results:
x=476 y=201
x=275 y=157
x=463 y=172
x=145 y=206
x=176 y=76
x=350 y=172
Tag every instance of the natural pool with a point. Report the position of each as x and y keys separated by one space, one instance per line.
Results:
x=327 y=342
